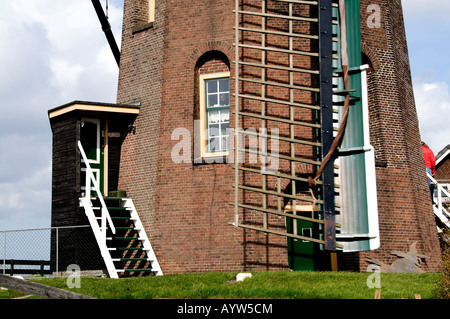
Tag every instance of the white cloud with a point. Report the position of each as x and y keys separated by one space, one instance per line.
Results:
x=426 y=24
x=66 y=77
x=433 y=109
x=25 y=203
x=56 y=53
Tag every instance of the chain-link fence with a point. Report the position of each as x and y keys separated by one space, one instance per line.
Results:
x=48 y=251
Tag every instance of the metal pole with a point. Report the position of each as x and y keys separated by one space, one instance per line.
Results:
x=326 y=103
x=57 y=244
x=4 y=252
x=236 y=114
x=106 y=27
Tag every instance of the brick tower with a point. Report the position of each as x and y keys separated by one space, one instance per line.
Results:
x=177 y=63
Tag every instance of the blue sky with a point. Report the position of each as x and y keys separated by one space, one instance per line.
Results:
x=54 y=52
x=428 y=44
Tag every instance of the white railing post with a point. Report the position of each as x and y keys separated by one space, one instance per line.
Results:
x=99 y=230
x=103 y=227
x=87 y=183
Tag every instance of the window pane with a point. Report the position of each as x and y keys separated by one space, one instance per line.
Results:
x=214 y=130
x=212 y=100
x=225 y=116
x=213 y=117
x=211 y=86
x=224 y=85
x=214 y=144
x=224 y=99
x=89 y=138
x=224 y=128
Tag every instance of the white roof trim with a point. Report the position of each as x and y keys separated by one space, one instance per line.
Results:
x=442 y=157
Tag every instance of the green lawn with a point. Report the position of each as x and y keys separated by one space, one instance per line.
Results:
x=278 y=285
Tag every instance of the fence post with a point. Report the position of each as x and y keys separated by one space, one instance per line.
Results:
x=56 y=248
x=11 y=269
x=42 y=268
x=4 y=253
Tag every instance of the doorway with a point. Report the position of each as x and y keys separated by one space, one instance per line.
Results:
x=92 y=137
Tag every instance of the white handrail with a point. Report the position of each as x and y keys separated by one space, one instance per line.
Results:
x=439 y=185
x=105 y=217
x=441 y=190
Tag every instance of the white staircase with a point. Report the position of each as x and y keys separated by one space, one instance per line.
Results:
x=118 y=230
x=441 y=197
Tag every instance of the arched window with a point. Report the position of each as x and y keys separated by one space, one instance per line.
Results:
x=212 y=106
x=375 y=118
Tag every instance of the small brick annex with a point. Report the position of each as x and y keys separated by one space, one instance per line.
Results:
x=185 y=207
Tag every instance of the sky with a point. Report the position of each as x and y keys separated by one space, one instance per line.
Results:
x=54 y=52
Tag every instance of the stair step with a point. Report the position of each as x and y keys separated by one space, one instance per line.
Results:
x=129 y=248
x=135 y=270
x=122 y=218
x=128 y=235
x=127 y=238
x=127 y=228
x=113 y=198
x=110 y=209
x=124 y=238
x=131 y=259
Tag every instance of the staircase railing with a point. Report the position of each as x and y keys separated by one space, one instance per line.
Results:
x=105 y=218
x=440 y=210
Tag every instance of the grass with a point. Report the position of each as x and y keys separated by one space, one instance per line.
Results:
x=266 y=285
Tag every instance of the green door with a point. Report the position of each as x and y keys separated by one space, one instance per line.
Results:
x=92 y=140
x=305 y=254
x=301 y=252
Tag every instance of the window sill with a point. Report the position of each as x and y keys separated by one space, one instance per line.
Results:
x=381 y=164
x=220 y=159
x=142 y=27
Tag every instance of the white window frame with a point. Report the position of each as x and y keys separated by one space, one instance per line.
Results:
x=203 y=117
x=151 y=11
x=98 y=137
x=307 y=232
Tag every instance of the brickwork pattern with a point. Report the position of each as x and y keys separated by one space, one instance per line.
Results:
x=443 y=171
x=140 y=81
x=185 y=206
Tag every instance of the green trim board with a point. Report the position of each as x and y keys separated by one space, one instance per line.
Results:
x=92 y=137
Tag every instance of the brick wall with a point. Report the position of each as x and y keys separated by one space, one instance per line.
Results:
x=443 y=171
x=405 y=211
x=185 y=207
x=140 y=81
x=266 y=251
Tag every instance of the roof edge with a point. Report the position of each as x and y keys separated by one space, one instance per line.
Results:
x=94 y=106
